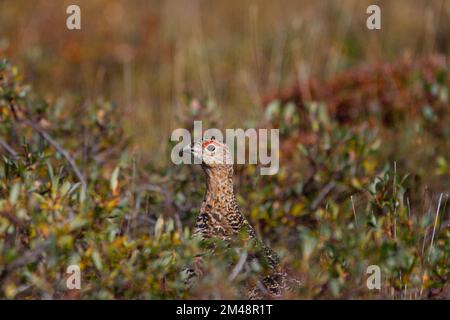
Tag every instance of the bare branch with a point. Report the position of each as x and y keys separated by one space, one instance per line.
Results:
x=28 y=257
x=13 y=219
x=59 y=148
x=322 y=195
x=8 y=148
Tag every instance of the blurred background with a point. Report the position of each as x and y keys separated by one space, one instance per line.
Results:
x=153 y=57
x=85 y=123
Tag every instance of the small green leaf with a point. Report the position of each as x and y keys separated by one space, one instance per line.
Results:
x=97 y=260
x=114 y=179
x=159 y=227
x=14 y=193
x=77 y=222
x=65 y=188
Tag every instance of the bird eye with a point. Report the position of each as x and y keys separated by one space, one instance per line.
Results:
x=211 y=148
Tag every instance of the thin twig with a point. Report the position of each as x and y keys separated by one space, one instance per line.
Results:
x=409 y=207
x=322 y=195
x=58 y=148
x=395 y=199
x=354 y=211
x=134 y=214
x=13 y=219
x=238 y=266
x=28 y=257
x=435 y=223
x=8 y=148
x=35 y=126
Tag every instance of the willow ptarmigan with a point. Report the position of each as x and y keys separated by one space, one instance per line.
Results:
x=220 y=216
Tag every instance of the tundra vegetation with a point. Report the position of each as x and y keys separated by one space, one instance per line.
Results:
x=85 y=171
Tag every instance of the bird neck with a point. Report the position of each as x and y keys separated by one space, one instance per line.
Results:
x=219 y=188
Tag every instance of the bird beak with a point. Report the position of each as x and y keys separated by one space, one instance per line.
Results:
x=195 y=150
x=187 y=149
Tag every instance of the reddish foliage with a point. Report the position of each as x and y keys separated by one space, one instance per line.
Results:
x=382 y=92
x=382 y=89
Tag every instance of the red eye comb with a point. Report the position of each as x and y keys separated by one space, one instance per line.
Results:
x=208 y=142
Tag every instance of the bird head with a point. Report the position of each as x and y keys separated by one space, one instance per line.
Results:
x=210 y=152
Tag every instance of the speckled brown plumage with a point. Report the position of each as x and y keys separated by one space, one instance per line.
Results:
x=220 y=216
